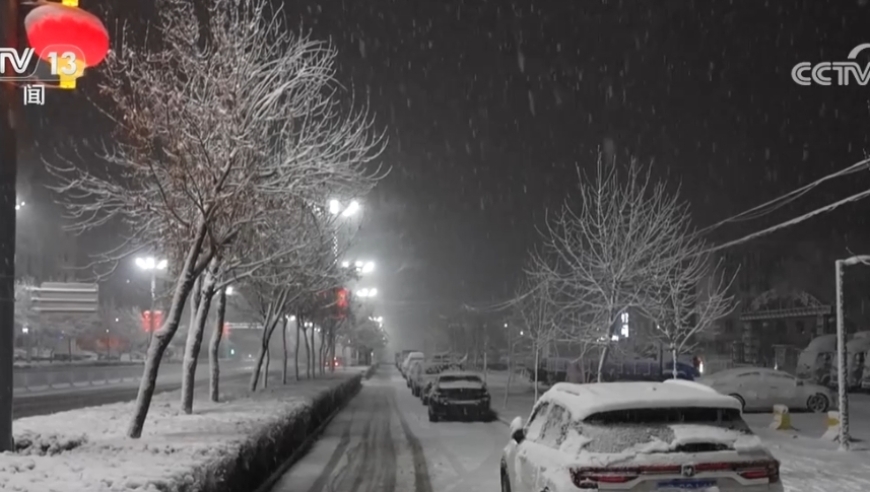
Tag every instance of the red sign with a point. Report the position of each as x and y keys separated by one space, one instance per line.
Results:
x=149 y=324
x=341 y=298
x=226 y=330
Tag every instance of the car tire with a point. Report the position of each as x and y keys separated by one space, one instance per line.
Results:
x=425 y=401
x=505 y=482
x=818 y=403
x=740 y=399
x=432 y=416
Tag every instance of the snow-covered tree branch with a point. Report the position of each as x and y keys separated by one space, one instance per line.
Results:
x=214 y=139
x=690 y=298
x=607 y=255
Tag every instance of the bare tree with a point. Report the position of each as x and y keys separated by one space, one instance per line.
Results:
x=214 y=347
x=537 y=324
x=605 y=257
x=213 y=136
x=690 y=298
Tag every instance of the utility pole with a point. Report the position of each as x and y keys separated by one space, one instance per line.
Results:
x=8 y=198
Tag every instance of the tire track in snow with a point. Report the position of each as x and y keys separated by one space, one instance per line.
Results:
x=421 y=470
x=329 y=470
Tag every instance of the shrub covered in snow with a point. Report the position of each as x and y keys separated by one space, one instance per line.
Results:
x=227 y=446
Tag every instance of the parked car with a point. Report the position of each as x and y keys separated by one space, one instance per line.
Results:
x=412 y=356
x=426 y=373
x=413 y=367
x=458 y=394
x=760 y=388
x=639 y=436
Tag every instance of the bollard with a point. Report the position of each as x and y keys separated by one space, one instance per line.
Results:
x=833 y=432
x=781 y=418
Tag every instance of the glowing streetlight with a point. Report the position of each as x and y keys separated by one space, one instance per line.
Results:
x=345 y=264
x=352 y=208
x=337 y=208
x=19 y=205
x=368 y=267
x=367 y=292
x=230 y=290
x=150 y=264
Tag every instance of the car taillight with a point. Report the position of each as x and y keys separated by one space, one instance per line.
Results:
x=759 y=470
x=589 y=478
x=750 y=470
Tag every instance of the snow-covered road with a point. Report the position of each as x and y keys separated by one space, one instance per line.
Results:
x=383 y=442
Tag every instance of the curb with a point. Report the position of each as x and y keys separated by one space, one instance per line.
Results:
x=303 y=448
x=500 y=418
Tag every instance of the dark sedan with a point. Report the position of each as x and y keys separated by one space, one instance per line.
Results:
x=458 y=394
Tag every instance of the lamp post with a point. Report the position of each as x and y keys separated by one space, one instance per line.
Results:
x=9 y=103
x=152 y=265
x=842 y=356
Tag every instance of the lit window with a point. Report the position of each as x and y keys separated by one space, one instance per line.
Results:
x=623 y=329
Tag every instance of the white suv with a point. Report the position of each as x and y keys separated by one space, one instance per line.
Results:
x=660 y=437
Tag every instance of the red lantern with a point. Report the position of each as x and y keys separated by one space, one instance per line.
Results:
x=53 y=25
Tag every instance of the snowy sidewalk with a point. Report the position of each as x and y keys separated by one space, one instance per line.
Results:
x=808 y=464
x=86 y=450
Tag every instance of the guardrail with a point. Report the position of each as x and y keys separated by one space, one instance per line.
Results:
x=74 y=377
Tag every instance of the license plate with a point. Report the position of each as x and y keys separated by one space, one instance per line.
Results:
x=682 y=485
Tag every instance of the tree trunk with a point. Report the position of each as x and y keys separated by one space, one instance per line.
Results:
x=674 y=371
x=507 y=388
x=308 y=352
x=536 y=371
x=194 y=338
x=163 y=337
x=313 y=360
x=602 y=359
x=272 y=318
x=284 y=343
x=266 y=368
x=214 y=348
x=296 y=348
x=323 y=347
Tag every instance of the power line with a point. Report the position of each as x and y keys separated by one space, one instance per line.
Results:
x=783 y=200
x=790 y=222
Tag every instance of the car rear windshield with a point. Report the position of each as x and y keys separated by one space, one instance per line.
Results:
x=617 y=431
x=454 y=379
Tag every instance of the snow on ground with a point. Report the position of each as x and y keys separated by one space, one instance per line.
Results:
x=808 y=464
x=86 y=450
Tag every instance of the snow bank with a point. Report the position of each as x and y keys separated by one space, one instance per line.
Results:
x=228 y=446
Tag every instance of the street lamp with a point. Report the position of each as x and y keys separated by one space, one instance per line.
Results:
x=150 y=264
x=19 y=205
x=367 y=292
x=842 y=356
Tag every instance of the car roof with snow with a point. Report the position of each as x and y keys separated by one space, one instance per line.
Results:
x=737 y=371
x=585 y=400
x=460 y=374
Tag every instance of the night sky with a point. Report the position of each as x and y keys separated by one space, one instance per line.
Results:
x=490 y=106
